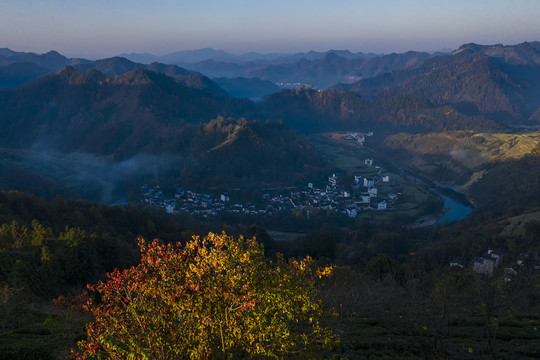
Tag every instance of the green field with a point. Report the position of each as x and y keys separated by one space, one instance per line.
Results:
x=515 y=226
x=344 y=155
x=370 y=338
x=466 y=148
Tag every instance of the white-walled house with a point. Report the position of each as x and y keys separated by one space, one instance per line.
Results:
x=352 y=213
x=496 y=254
x=484 y=265
x=369 y=182
x=365 y=199
x=332 y=180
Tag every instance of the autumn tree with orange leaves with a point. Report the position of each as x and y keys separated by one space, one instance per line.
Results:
x=216 y=297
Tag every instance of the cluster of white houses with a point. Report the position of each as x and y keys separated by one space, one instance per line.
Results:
x=357 y=138
x=334 y=195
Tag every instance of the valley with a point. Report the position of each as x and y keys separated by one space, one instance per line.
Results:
x=405 y=174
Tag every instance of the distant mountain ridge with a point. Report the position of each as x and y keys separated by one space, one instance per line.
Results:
x=332 y=68
x=88 y=111
x=322 y=69
x=51 y=60
x=502 y=82
x=117 y=66
x=526 y=53
x=200 y=55
x=20 y=67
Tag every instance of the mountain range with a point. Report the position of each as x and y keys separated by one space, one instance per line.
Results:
x=501 y=82
x=474 y=87
x=497 y=81
x=195 y=56
x=117 y=109
x=321 y=69
x=88 y=111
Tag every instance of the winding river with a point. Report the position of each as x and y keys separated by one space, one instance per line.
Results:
x=454 y=210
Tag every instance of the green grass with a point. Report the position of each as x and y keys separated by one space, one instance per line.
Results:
x=469 y=149
x=462 y=339
x=346 y=156
x=35 y=341
x=516 y=225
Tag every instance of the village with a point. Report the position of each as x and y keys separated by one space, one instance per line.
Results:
x=346 y=198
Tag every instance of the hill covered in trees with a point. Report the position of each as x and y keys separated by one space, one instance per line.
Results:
x=495 y=170
x=309 y=110
x=221 y=154
x=501 y=82
x=87 y=111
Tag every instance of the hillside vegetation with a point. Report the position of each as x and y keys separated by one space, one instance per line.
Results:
x=501 y=82
x=470 y=148
x=310 y=110
x=55 y=248
x=495 y=170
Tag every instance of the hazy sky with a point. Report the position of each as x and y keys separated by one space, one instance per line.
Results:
x=110 y=27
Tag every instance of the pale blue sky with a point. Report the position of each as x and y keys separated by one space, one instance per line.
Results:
x=110 y=27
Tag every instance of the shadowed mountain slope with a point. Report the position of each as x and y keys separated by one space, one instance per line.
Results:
x=87 y=111
x=502 y=82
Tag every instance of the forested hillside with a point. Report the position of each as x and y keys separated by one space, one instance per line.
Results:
x=496 y=171
x=310 y=110
x=90 y=112
x=500 y=82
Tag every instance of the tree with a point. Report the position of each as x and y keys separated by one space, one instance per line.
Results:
x=215 y=297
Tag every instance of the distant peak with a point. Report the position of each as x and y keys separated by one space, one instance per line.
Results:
x=53 y=54
x=7 y=52
x=471 y=46
x=115 y=59
x=331 y=56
